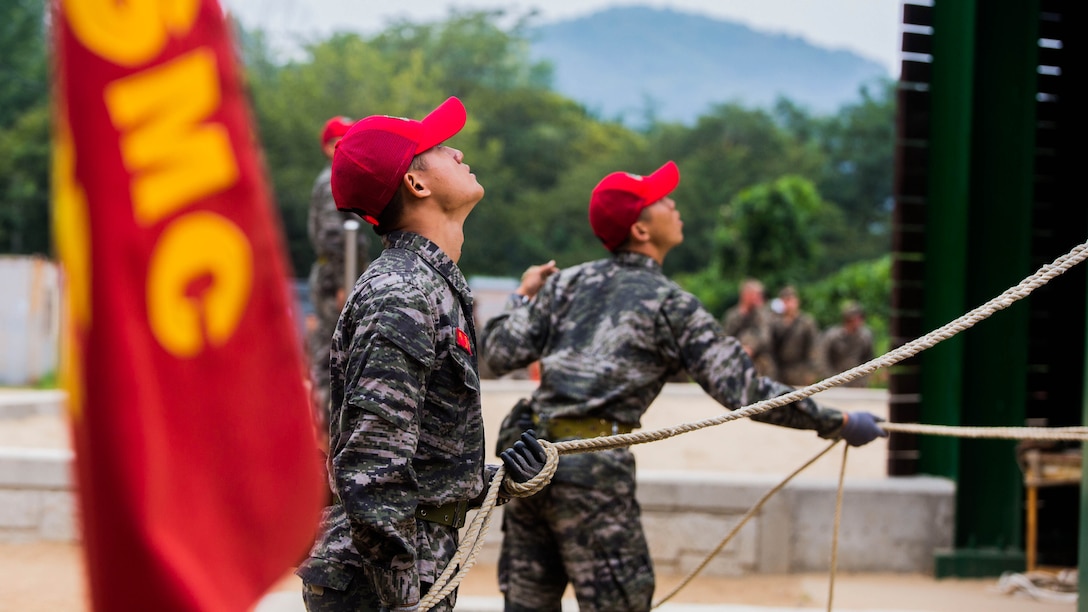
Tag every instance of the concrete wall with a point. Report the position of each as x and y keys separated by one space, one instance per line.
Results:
x=36 y=499
x=29 y=319
x=894 y=525
x=888 y=524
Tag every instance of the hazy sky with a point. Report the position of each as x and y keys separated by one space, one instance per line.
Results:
x=869 y=28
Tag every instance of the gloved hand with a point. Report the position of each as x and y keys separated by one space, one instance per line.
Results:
x=412 y=608
x=525 y=458
x=860 y=428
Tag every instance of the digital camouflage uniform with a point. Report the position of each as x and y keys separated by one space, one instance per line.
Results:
x=325 y=227
x=794 y=344
x=841 y=350
x=406 y=430
x=753 y=329
x=609 y=333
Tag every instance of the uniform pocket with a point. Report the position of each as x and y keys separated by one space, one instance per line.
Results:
x=452 y=395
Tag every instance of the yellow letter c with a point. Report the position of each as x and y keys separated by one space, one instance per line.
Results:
x=198 y=247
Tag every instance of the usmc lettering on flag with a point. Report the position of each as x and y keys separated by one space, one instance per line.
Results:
x=198 y=474
x=176 y=156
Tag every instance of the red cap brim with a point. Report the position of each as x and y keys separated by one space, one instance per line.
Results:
x=442 y=124
x=660 y=183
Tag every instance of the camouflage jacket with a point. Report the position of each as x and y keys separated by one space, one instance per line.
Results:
x=325 y=228
x=753 y=329
x=608 y=335
x=406 y=423
x=841 y=350
x=794 y=344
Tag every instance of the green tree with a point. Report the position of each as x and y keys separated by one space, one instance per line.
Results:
x=23 y=82
x=857 y=146
x=727 y=151
x=24 y=129
x=548 y=155
x=24 y=183
x=773 y=231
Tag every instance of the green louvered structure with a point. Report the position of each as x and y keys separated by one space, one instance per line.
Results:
x=990 y=185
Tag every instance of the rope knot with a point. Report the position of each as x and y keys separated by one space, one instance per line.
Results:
x=537 y=483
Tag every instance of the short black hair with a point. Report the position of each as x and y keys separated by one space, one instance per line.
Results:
x=394 y=210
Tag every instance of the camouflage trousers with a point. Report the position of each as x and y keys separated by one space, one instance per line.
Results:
x=331 y=585
x=589 y=537
x=355 y=598
x=319 y=342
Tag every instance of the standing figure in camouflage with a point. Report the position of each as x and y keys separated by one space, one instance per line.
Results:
x=325 y=227
x=608 y=334
x=406 y=434
x=794 y=340
x=750 y=323
x=848 y=344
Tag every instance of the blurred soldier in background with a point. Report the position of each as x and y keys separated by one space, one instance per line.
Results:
x=750 y=322
x=847 y=344
x=794 y=339
x=325 y=226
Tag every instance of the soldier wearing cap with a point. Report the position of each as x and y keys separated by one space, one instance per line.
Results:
x=750 y=322
x=325 y=227
x=609 y=334
x=848 y=344
x=406 y=435
x=795 y=337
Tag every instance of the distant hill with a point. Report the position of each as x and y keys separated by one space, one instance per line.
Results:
x=618 y=60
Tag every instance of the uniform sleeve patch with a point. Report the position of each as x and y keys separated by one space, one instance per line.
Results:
x=463 y=342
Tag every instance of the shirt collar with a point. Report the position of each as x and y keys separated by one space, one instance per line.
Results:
x=429 y=252
x=636 y=260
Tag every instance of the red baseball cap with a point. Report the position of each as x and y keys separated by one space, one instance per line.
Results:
x=373 y=156
x=335 y=128
x=619 y=198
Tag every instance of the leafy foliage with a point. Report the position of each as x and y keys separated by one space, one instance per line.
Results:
x=868 y=283
x=24 y=129
x=772 y=232
x=774 y=192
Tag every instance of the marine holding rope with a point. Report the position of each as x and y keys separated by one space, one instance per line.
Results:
x=608 y=334
x=406 y=431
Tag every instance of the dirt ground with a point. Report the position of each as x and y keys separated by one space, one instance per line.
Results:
x=48 y=576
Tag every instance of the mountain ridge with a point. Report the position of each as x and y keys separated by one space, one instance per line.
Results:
x=621 y=62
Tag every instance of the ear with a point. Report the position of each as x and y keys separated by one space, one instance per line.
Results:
x=640 y=232
x=413 y=182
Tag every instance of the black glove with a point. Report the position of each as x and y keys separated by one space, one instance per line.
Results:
x=860 y=428
x=411 y=608
x=525 y=459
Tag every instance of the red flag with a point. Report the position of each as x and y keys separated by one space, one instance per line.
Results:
x=197 y=469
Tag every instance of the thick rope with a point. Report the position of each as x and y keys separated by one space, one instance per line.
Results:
x=1001 y=433
x=541 y=480
x=743 y=520
x=1041 y=586
x=1010 y=296
x=1007 y=298
x=468 y=549
x=835 y=533
x=473 y=539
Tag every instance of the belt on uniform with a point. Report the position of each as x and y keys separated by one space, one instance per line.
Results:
x=581 y=427
x=451 y=514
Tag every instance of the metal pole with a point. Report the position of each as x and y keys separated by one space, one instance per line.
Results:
x=351 y=256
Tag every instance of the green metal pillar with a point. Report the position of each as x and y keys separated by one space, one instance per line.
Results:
x=952 y=92
x=986 y=371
